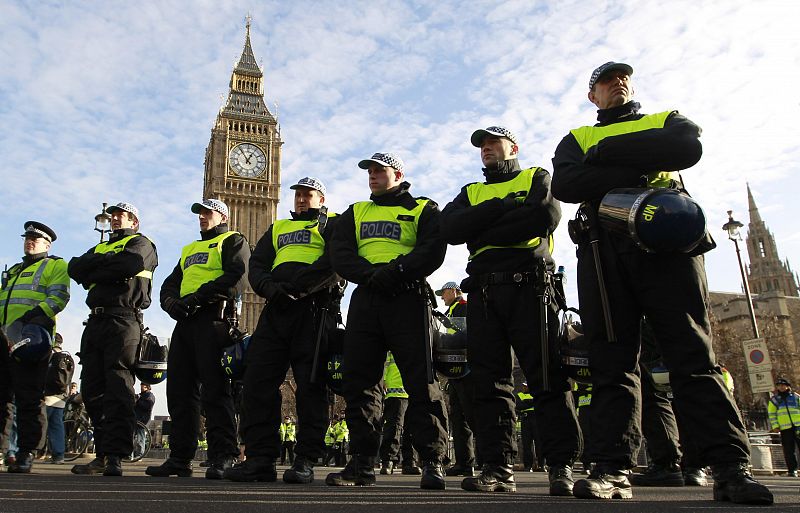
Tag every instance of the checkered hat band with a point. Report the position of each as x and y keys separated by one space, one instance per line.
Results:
x=389 y=160
x=127 y=207
x=313 y=183
x=30 y=228
x=216 y=205
x=505 y=132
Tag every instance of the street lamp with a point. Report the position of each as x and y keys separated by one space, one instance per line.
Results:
x=102 y=222
x=732 y=227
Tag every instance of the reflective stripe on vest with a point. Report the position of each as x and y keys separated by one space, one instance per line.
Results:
x=26 y=291
x=117 y=247
x=784 y=411
x=588 y=136
x=201 y=262
x=384 y=233
x=584 y=400
x=296 y=241
x=521 y=184
x=523 y=397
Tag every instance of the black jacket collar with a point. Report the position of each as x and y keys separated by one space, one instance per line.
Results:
x=616 y=114
x=505 y=171
x=214 y=232
x=397 y=197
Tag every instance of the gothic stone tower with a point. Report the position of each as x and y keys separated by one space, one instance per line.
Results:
x=243 y=161
x=767 y=272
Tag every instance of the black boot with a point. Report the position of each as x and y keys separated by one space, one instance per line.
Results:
x=659 y=475
x=561 y=481
x=695 y=477
x=23 y=464
x=410 y=470
x=171 y=467
x=432 y=476
x=301 y=471
x=218 y=466
x=604 y=483
x=493 y=478
x=359 y=471
x=254 y=468
x=735 y=483
x=96 y=466
x=460 y=470
x=113 y=466
x=387 y=467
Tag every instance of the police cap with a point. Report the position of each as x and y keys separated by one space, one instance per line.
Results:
x=605 y=68
x=498 y=131
x=35 y=229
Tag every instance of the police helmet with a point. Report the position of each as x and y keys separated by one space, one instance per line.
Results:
x=658 y=220
x=335 y=359
x=28 y=343
x=450 y=346
x=233 y=356
x=574 y=348
x=151 y=360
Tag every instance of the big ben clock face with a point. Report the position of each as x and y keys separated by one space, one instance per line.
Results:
x=247 y=160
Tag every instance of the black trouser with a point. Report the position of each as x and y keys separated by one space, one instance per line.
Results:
x=462 y=419
x=378 y=323
x=531 y=446
x=585 y=422
x=23 y=384
x=500 y=317
x=285 y=335
x=194 y=360
x=287 y=451
x=394 y=412
x=790 y=445
x=671 y=291
x=107 y=358
x=659 y=425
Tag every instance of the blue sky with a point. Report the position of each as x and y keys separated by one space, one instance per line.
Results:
x=113 y=101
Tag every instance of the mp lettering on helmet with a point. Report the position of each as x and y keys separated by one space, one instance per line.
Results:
x=196 y=259
x=380 y=230
x=297 y=237
x=649 y=212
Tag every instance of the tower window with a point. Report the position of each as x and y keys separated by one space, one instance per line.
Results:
x=761 y=251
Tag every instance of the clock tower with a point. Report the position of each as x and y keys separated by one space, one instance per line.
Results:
x=243 y=162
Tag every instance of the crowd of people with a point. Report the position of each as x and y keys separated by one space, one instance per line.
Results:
x=386 y=246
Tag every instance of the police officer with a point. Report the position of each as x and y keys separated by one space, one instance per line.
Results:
x=525 y=412
x=119 y=276
x=388 y=246
x=199 y=294
x=629 y=149
x=459 y=394
x=507 y=222
x=288 y=432
x=291 y=268
x=32 y=292
x=394 y=438
x=784 y=418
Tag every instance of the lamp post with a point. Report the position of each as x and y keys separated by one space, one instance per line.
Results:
x=732 y=227
x=102 y=222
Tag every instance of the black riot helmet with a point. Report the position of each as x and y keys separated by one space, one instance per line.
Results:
x=450 y=347
x=658 y=220
x=233 y=356
x=151 y=359
x=574 y=348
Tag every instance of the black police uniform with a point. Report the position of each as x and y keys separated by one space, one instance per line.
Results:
x=670 y=289
x=195 y=377
x=503 y=312
x=22 y=384
x=388 y=313
x=286 y=335
x=120 y=284
x=460 y=395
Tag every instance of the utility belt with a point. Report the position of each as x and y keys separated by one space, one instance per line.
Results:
x=115 y=311
x=504 y=278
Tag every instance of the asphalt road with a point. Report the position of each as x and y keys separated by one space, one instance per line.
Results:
x=52 y=488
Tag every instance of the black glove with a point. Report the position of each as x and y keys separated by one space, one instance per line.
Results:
x=278 y=289
x=512 y=201
x=387 y=278
x=37 y=316
x=175 y=308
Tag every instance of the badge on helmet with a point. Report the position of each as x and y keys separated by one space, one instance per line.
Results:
x=28 y=343
x=151 y=359
x=574 y=348
x=233 y=356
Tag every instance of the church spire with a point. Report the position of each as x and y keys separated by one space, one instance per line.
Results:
x=755 y=217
